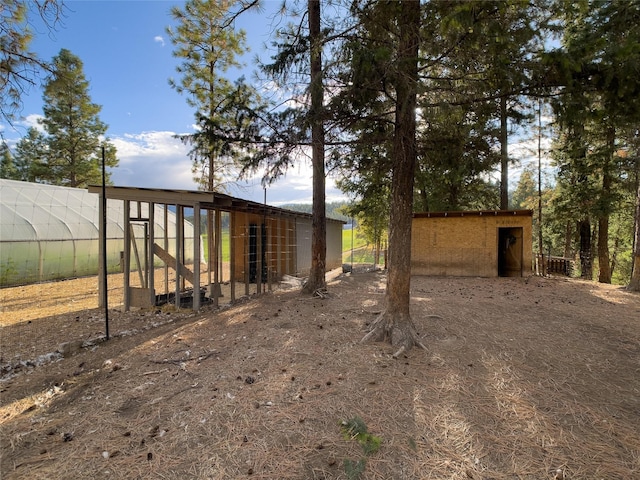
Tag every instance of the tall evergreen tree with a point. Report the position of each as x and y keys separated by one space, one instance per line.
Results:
x=634 y=284
x=489 y=62
x=369 y=184
x=30 y=157
x=208 y=45
x=632 y=138
x=8 y=169
x=289 y=134
x=457 y=154
x=74 y=131
x=316 y=118
x=403 y=27
x=600 y=99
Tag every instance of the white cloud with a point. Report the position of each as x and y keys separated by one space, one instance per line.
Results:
x=14 y=132
x=152 y=159
x=158 y=160
x=32 y=120
x=296 y=186
x=524 y=152
x=159 y=39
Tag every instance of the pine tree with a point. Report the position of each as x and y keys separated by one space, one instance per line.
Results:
x=8 y=169
x=20 y=67
x=298 y=68
x=317 y=272
x=394 y=324
x=74 y=132
x=30 y=156
x=600 y=100
x=208 y=46
x=491 y=52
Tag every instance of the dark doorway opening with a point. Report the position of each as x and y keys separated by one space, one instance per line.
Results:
x=253 y=252
x=510 y=251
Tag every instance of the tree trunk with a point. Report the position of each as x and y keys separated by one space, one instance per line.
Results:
x=540 y=239
x=568 y=235
x=504 y=156
x=586 y=266
x=604 y=268
x=634 y=284
x=614 y=255
x=316 y=279
x=394 y=324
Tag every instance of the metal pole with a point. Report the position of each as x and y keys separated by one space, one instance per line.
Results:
x=264 y=265
x=540 y=244
x=104 y=245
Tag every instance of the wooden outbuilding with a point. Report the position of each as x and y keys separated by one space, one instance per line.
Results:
x=476 y=243
x=257 y=238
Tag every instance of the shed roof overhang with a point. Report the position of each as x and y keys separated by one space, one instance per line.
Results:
x=476 y=213
x=191 y=198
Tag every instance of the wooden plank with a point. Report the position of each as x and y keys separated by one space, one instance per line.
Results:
x=137 y=256
x=142 y=297
x=169 y=260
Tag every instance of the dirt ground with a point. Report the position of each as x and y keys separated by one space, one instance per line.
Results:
x=535 y=378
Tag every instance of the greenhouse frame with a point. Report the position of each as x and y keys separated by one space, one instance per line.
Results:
x=49 y=232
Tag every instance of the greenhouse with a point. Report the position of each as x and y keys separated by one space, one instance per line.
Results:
x=49 y=232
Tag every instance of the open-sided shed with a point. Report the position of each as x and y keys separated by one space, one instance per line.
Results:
x=261 y=238
x=477 y=243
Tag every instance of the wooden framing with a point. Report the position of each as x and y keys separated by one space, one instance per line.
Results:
x=262 y=246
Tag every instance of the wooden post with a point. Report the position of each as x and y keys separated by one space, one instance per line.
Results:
x=216 y=255
x=259 y=257
x=210 y=255
x=179 y=249
x=268 y=255
x=196 y=256
x=287 y=241
x=279 y=246
x=127 y=255
x=245 y=256
x=151 y=240
x=232 y=255
x=166 y=249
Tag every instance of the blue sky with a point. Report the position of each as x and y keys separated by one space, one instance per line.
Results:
x=128 y=61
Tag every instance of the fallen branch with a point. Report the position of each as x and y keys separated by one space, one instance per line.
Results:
x=155 y=372
x=181 y=361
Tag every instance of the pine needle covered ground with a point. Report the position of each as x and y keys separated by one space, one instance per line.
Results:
x=523 y=378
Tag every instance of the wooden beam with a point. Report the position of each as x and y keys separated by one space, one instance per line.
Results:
x=127 y=255
x=151 y=239
x=169 y=260
x=196 y=257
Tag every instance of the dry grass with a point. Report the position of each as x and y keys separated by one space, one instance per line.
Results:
x=522 y=379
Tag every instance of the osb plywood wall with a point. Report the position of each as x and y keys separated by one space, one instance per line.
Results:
x=467 y=243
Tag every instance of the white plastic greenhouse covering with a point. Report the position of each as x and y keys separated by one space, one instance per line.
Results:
x=50 y=233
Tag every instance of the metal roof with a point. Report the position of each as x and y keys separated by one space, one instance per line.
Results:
x=475 y=213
